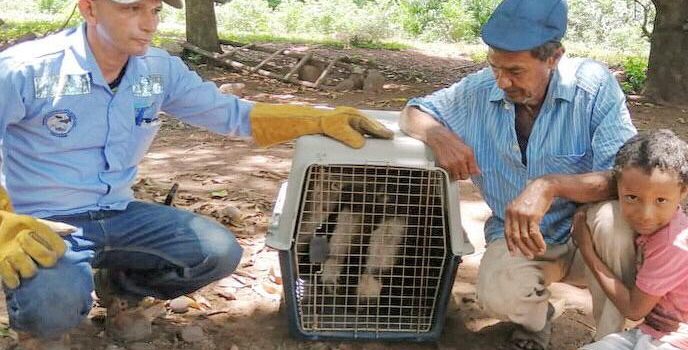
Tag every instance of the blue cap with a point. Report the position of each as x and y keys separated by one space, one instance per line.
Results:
x=521 y=25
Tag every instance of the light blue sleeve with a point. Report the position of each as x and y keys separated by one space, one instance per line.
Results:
x=443 y=105
x=200 y=103
x=614 y=125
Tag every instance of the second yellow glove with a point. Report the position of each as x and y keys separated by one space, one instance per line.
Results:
x=24 y=241
x=273 y=124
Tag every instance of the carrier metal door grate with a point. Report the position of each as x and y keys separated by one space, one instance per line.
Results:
x=371 y=248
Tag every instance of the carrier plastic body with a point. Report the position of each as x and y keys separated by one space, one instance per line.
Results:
x=369 y=239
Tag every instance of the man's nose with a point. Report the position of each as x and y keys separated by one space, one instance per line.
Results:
x=503 y=82
x=149 y=23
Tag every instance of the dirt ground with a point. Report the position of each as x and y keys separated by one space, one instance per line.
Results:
x=236 y=183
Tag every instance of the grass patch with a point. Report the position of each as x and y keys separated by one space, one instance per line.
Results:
x=312 y=40
x=610 y=57
x=15 y=30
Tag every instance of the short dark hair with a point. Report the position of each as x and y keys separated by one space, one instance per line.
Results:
x=657 y=149
x=546 y=50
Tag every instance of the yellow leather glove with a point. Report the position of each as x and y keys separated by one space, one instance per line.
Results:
x=24 y=241
x=273 y=124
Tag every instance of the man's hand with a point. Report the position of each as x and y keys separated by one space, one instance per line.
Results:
x=451 y=153
x=581 y=232
x=273 y=124
x=523 y=217
x=24 y=241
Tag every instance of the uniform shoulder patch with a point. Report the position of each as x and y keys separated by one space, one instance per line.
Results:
x=60 y=122
x=148 y=86
x=66 y=85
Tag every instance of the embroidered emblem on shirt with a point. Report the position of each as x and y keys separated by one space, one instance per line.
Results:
x=60 y=122
x=148 y=86
x=62 y=85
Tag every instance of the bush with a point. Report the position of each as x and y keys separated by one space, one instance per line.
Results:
x=244 y=16
x=53 y=6
x=635 y=69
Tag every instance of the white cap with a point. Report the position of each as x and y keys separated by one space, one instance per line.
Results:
x=174 y=3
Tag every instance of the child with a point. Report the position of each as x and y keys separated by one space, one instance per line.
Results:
x=651 y=171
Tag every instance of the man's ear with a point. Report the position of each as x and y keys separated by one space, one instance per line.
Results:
x=553 y=60
x=88 y=11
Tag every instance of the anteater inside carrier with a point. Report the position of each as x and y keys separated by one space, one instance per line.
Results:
x=371 y=245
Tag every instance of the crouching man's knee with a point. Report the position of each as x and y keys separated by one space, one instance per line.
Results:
x=613 y=238
x=512 y=288
x=52 y=302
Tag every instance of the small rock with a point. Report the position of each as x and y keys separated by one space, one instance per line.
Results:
x=319 y=346
x=228 y=293
x=276 y=275
x=232 y=213
x=180 y=305
x=271 y=288
x=234 y=347
x=192 y=334
x=141 y=346
x=113 y=347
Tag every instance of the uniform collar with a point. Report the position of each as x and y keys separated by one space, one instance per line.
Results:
x=562 y=85
x=80 y=60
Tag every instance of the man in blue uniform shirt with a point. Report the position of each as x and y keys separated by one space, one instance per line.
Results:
x=537 y=133
x=79 y=111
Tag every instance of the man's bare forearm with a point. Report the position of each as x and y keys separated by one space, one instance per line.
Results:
x=423 y=126
x=416 y=123
x=581 y=188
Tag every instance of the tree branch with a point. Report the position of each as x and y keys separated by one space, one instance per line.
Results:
x=646 y=17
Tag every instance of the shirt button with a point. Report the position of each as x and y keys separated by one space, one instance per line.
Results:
x=516 y=147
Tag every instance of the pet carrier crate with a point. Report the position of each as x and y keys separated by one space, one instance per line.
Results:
x=369 y=239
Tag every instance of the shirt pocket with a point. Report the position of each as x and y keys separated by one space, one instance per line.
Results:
x=142 y=138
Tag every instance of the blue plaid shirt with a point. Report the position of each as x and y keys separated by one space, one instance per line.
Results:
x=72 y=144
x=582 y=124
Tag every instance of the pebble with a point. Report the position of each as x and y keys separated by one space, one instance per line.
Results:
x=141 y=346
x=192 y=334
x=232 y=213
x=180 y=305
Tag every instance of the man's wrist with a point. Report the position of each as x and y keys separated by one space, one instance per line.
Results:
x=437 y=135
x=549 y=185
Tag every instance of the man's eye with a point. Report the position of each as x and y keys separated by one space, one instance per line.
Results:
x=662 y=200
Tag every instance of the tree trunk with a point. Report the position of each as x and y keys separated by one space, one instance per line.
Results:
x=201 y=25
x=667 y=75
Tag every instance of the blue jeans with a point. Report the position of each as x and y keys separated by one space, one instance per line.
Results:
x=158 y=251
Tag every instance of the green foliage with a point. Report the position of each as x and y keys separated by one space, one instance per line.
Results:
x=417 y=15
x=14 y=30
x=479 y=56
x=635 y=69
x=614 y=24
x=447 y=20
x=248 y=16
x=53 y=6
x=606 y=30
